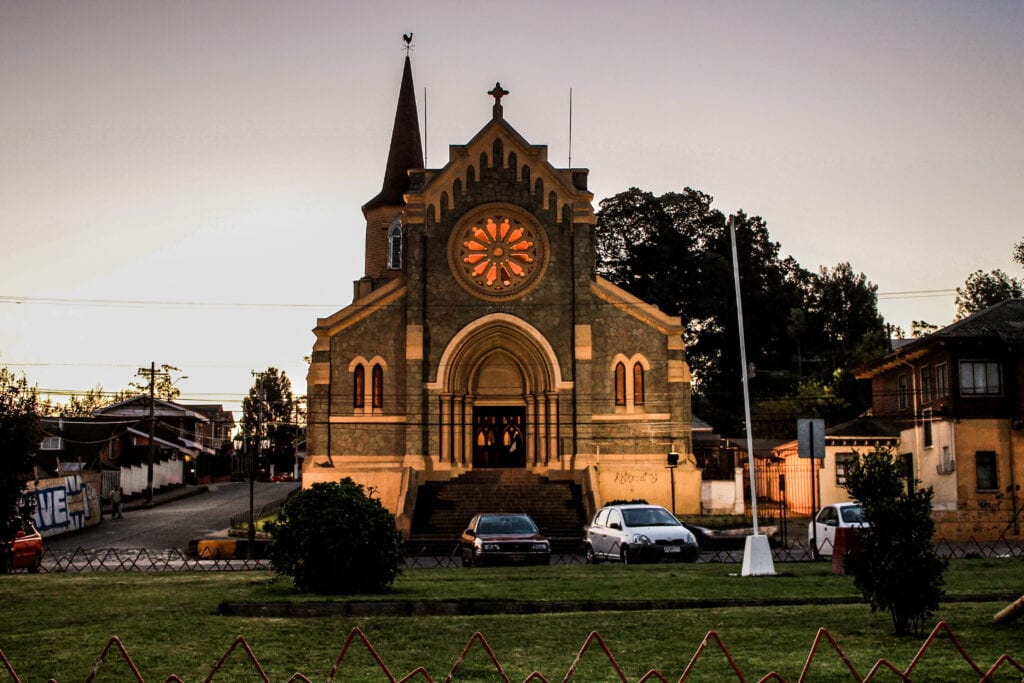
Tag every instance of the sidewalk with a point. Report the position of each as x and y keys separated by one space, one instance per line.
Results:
x=139 y=502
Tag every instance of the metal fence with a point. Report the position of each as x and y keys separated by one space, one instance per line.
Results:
x=435 y=555
x=942 y=643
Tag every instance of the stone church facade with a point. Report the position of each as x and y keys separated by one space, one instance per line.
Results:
x=481 y=337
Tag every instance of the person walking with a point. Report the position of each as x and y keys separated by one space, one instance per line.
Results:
x=115 y=503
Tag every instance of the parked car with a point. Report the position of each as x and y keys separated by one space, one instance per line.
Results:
x=638 y=533
x=503 y=538
x=28 y=547
x=825 y=523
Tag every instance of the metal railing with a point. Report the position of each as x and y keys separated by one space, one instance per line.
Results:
x=941 y=644
x=439 y=555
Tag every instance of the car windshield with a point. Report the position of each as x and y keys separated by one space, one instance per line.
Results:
x=506 y=524
x=648 y=517
x=852 y=514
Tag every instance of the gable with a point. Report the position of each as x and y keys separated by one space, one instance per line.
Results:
x=499 y=146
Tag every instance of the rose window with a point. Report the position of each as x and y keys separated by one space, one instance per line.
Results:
x=497 y=256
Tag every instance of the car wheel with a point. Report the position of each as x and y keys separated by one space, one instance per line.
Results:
x=592 y=557
x=624 y=554
x=37 y=562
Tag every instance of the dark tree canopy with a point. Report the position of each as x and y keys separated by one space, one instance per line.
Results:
x=982 y=290
x=20 y=434
x=675 y=251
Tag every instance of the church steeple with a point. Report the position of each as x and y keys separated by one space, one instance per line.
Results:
x=406 y=149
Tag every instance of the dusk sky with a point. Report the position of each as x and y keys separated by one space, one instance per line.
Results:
x=181 y=182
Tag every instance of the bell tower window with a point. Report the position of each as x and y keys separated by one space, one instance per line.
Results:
x=395 y=244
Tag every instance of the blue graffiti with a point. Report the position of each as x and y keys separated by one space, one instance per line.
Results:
x=52 y=511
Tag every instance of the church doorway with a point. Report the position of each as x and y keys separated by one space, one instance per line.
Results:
x=499 y=437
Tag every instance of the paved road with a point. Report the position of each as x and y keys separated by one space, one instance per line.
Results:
x=176 y=523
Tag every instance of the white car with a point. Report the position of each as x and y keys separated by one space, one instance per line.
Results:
x=821 y=532
x=638 y=533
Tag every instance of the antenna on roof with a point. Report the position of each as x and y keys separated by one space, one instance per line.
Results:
x=570 y=127
x=425 y=165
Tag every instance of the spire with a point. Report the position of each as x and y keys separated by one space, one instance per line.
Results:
x=406 y=149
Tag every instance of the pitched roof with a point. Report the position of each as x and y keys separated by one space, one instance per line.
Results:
x=1004 y=321
x=406 y=150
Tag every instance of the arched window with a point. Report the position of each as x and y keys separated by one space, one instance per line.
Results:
x=620 y=384
x=395 y=245
x=359 y=387
x=638 y=384
x=378 y=386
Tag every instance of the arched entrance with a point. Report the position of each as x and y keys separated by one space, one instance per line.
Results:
x=498 y=386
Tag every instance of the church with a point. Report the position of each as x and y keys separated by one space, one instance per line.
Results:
x=480 y=338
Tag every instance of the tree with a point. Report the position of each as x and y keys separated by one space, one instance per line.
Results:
x=271 y=410
x=843 y=313
x=776 y=417
x=333 y=538
x=1018 y=252
x=84 y=405
x=20 y=435
x=982 y=290
x=164 y=384
x=893 y=563
x=921 y=328
x=675 y=251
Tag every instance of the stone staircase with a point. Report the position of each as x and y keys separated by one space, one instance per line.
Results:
x=444 y=508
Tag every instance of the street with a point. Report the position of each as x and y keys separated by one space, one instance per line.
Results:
x=176 y=523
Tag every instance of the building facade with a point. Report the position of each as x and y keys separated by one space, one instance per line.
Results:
x=959 y=395
x=481 y=337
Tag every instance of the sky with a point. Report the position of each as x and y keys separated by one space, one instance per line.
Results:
x=181 y=181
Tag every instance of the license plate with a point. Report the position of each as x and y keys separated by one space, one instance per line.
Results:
x=671 y=549
x=516 y=558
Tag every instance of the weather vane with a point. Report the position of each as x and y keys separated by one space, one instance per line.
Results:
x=407 y=37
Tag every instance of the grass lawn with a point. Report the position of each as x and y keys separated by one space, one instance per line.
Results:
x=56 y=625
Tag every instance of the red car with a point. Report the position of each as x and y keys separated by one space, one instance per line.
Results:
x=28 y=547
x=503 y=538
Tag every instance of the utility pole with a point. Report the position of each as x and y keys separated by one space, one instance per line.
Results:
x=260 y=395
x=152 y=428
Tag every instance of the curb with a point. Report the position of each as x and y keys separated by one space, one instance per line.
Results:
x=470 y=607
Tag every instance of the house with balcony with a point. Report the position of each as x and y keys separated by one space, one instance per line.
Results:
x=958 y=396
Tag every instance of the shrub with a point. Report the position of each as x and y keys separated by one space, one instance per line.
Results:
x=333 y=538
x=894 y=563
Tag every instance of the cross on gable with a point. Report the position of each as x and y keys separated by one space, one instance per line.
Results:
x=497 y=92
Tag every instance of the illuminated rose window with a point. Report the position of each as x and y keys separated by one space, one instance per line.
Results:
x=498 y=256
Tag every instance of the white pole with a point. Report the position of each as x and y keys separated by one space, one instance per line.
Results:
x=746 y=390
x=757 y=554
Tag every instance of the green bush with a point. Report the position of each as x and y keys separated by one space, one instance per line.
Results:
x=893 y=562
x=333 y=538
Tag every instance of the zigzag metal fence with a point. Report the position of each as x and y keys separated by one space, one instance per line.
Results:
x=430 y=556
x=824 y=645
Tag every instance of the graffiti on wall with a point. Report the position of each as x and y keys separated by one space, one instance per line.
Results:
x=64 y=504
x=636 y=477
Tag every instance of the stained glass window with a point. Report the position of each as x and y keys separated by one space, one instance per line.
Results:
x=378 y=386
x=359 y=387
x=638 y=384
x=620 y=384
x=498 y=253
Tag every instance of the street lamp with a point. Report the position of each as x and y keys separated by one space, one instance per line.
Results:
x=673 y=463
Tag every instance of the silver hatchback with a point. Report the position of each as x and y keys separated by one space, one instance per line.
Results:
x=638 y=533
